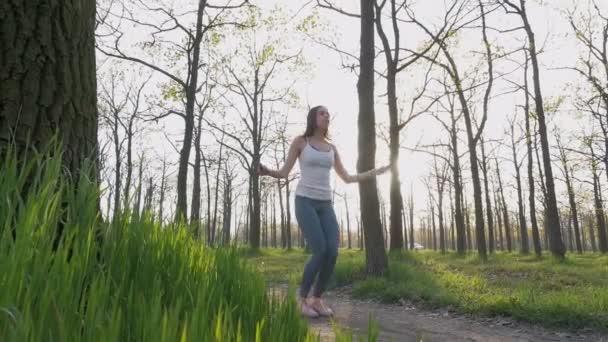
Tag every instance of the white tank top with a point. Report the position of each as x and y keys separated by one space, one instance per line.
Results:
x=315 y=166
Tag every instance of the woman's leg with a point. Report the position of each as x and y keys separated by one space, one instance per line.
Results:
x=329 y=226
x=310 y=225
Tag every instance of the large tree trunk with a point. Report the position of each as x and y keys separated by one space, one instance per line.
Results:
x=556 y=244
x=48 y=87
x=376 y=259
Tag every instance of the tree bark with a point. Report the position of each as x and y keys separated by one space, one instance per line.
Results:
x=376 y=259
x=48 y=87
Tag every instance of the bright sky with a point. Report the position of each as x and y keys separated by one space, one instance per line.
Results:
x=335 y=87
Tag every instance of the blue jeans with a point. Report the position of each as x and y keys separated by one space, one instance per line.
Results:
x=318 y=223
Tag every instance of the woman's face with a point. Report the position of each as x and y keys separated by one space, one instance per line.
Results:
x=323 y=118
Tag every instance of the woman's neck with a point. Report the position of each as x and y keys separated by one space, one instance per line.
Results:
x=318 y=135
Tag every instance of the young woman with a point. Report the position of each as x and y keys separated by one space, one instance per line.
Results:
x=313 y=204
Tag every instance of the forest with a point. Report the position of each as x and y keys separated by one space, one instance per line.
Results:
x=132 y=135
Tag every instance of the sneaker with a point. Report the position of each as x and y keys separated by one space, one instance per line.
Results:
x=320 y=307
x=307 y=310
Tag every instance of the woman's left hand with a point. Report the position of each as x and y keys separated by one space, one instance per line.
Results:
x=384 y=169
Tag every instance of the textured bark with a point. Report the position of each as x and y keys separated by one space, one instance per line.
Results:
x=47 y=79
x=376 y=259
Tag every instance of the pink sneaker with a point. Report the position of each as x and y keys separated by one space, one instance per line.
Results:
x=320 y=307
x=307 y=310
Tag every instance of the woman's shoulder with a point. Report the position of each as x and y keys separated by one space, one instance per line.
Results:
x=299 y=141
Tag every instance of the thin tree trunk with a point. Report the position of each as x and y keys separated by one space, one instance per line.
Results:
x=598 y=206
x=505 y=211
x=531 y=198
x=523 y=229
x=195 y=210
x=489 y=212
x=216 y=196
x=347 y=221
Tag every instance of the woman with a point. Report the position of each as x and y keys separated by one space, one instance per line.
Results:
x=313 y=204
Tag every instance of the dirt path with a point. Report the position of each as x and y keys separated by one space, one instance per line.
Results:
x=405 y=322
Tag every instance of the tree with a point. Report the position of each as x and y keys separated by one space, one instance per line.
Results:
x=531 y=198
x=556 y=245
x=505 y=211
x=523 y=228
x=120 y=108
x=600 y=217
x=568 y=173
x=489 y=214
x=592 y=32
x=454 y=18
x=376 y=259
x=50 y=94
x=254 y=89
x=184 y=83
x=395 y=64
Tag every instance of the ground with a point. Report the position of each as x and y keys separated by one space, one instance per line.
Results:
x=428 y=309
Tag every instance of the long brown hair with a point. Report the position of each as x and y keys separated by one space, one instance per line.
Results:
x=311 y=123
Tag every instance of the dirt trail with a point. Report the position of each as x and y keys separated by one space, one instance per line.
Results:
x=405 y=322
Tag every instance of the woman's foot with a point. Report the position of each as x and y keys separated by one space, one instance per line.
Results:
x=320 y=307
x=306 y=309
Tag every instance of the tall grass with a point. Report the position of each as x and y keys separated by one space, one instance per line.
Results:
x=130 y=280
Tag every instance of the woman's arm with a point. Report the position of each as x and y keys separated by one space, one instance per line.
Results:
x=292 y=155
x=348 y=178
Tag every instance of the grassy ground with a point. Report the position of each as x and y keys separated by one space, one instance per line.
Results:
x=143 y=283
x=571 y=293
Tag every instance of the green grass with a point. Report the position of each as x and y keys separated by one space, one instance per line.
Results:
x=143 y=283
x=571 y=293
